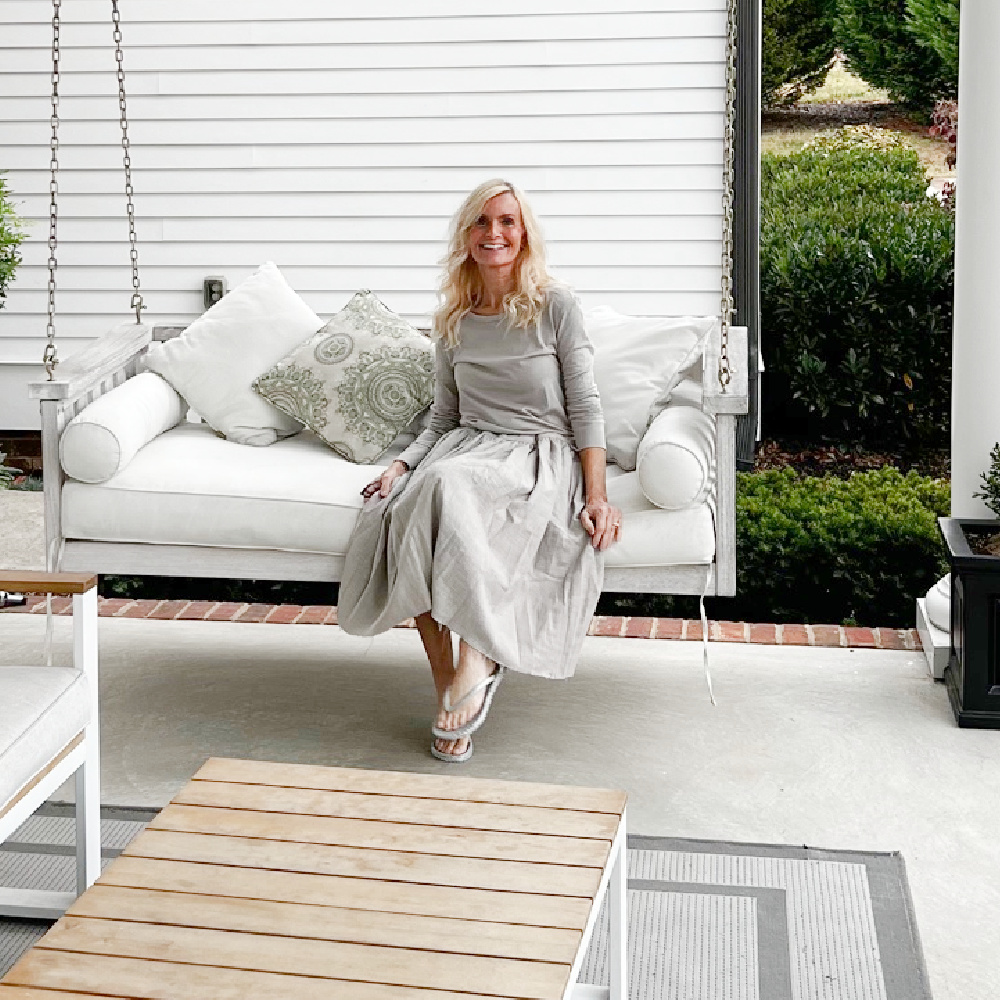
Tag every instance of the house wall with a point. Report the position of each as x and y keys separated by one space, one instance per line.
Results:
x=337 y=141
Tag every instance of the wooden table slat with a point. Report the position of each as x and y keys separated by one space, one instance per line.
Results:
x=393 y=866
x=31 y=993
x=322 y=959
x=329 y=923
x=129 y=977
x=40 y=582
x=369 y=894
x=387 y=835
x=401 y=809
x=430 y=786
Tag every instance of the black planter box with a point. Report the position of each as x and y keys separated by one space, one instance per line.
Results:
x=973 y=671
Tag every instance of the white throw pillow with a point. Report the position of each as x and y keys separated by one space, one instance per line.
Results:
x=637 y=362
x=676 y=457
x=105 y=436
x=212 y=363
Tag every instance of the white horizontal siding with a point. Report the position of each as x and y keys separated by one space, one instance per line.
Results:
x=338 y=146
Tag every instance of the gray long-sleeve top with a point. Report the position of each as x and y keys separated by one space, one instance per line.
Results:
x=509 y=380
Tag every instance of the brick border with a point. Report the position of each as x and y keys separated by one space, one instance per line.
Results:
x=844 y=637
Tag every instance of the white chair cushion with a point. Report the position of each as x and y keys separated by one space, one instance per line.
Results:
x=652 y=536
x=676 y=457
x=214 y=361
x=41 y=710
x=637 y=361
x=105 y=436
x=189 y=487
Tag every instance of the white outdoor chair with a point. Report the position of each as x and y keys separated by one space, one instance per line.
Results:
x=49 y=729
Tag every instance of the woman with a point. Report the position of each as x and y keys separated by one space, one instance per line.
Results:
x=493 y=522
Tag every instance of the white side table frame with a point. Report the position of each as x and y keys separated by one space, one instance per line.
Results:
x=614 y=887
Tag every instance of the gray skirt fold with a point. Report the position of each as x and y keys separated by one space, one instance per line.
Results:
x=485 y=534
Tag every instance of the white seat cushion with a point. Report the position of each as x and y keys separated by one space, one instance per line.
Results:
x=652 y=536
x=41 y=710
x=190 y=487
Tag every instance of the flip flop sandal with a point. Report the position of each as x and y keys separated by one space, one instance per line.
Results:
x=452 y=758
x=490 y=684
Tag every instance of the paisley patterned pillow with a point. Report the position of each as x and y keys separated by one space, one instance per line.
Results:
x=358 y=381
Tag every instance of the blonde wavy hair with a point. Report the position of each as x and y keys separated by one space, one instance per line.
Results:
x=461 y=288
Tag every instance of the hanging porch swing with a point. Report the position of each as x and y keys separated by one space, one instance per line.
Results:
x=131 y=516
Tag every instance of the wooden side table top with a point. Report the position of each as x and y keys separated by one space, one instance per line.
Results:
x=295 y=882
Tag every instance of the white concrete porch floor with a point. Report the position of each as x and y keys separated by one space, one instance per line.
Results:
x=831 y=748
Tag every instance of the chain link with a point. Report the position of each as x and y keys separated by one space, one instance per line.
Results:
x=728 y=185
x=137 y=303
x=49 y=356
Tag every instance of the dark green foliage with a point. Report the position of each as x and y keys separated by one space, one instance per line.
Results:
x=881 y=49
x=11 y=236
x=798 y=44
x=990 y=493
x=169 y=588
x=824 y=550
x=934 y=24
x=857 y=286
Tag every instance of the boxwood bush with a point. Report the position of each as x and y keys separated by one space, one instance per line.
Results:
x=821 y=549
x=857 y=288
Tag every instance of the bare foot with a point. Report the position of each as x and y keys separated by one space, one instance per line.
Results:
x=473 y=667
x=453 y=747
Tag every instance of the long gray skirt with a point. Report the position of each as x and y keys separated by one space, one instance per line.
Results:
x=485 y=534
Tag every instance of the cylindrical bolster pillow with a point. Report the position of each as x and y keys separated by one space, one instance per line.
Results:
x=676 y=457
x=103 y=438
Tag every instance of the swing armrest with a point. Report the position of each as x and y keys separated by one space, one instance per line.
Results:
x=86 y=370
x=735 y=400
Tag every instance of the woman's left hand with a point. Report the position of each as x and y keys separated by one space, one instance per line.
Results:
x=602 y=522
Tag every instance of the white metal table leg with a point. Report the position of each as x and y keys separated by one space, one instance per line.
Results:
x=614 y=890
x=617 y=896
x=88 y=777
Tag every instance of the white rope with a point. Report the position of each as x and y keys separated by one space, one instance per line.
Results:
x=48 y=630
x=704 y=632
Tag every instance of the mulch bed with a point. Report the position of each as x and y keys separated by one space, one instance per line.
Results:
x=819 y=460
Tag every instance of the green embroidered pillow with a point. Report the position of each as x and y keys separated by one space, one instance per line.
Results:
x=357 y=382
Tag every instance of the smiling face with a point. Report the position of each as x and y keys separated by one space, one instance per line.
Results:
x=497 y=235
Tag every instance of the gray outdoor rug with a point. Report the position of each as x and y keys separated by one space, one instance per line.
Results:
x=707 y=920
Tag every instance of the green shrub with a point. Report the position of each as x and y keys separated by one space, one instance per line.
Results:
x=857 y=286
x=824 y=550
x=875 y=36
x=934 y=24
x=798 y=44
x=821 y=549
x=12 y=235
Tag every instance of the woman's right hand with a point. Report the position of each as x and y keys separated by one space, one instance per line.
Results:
x=383 y=485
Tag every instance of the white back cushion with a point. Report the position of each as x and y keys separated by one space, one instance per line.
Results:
x=214 y=361
x=104 y=437
x=637 y=361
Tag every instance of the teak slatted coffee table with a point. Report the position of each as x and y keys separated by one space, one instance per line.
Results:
x=294 y=882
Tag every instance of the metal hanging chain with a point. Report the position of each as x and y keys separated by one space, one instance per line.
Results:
x=137 y=303
x=728 y=185
x=49 y=356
